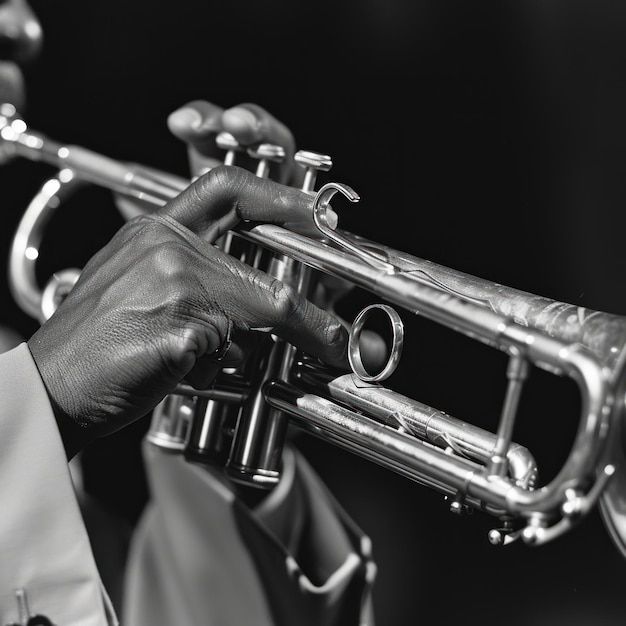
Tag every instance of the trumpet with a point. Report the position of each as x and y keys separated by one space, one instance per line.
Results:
x=242 y=420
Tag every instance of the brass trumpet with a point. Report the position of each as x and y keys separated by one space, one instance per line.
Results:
x=241 y=421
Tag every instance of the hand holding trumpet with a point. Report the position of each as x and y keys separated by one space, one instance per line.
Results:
x=160 y=301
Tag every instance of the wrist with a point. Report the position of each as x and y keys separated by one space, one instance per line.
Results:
x=74 y=434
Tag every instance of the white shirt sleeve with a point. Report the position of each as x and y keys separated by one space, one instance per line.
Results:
x=44 y=547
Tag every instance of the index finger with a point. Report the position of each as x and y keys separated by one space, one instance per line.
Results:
x=217 y=201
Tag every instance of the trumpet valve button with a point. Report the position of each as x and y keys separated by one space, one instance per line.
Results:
x=226 y=141
x=312 y=162
x=267 y=151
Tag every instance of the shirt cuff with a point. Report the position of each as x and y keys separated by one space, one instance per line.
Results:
x=44 y=546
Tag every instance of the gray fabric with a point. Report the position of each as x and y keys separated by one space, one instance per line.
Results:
x=201 y=557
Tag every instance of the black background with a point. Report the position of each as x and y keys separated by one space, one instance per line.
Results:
x=486 y=136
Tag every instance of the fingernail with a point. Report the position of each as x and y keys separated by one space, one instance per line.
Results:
x=243 y=124
x=332 y=218
x=184 y=119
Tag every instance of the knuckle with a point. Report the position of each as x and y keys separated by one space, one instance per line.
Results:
x=286 y=299
x=337 y=339
x=225 y=178
x=170 y=269
x=335 y=332
x=169 y=260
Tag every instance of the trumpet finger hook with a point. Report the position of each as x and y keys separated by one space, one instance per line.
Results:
x=321 y=204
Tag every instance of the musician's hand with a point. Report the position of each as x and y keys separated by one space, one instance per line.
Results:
x=198 y=123
x=159 y=302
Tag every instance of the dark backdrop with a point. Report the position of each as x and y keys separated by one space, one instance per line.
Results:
x=486 y=136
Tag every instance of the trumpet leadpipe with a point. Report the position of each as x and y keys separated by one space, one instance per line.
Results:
x=142 y=183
